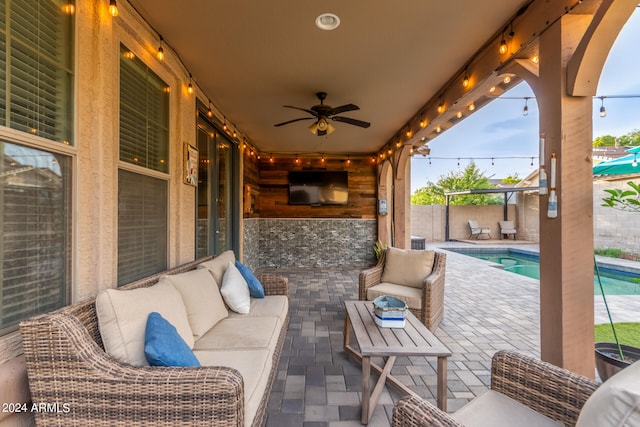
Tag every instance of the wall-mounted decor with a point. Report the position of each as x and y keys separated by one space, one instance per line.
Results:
x=190 y=165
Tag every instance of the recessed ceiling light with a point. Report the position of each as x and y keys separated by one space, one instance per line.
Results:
x=327 y=21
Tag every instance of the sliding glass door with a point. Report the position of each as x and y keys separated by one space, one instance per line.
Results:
x=217 y=210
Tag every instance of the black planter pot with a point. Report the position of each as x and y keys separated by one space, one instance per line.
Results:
x=608 y=361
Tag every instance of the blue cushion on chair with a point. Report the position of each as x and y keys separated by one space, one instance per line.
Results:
x=255 y=287
x=163 y=345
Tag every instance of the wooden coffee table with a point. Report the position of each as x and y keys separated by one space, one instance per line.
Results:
x=412 y=340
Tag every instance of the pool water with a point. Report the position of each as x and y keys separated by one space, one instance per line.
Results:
x=614 y=282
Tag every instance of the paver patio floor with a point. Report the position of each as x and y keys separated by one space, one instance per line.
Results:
x=486 y=310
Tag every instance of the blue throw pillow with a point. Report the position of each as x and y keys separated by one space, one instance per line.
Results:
x=163 y=345
x=255 y=287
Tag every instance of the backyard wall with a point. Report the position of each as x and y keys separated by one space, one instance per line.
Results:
x=614 y=228
x=429 y=221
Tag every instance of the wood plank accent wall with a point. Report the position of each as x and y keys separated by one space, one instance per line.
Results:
x=274 y=189
x=250 y=185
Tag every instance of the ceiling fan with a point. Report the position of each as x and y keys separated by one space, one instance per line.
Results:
x=322 y=113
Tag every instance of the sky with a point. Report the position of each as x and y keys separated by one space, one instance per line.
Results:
x=500 y=130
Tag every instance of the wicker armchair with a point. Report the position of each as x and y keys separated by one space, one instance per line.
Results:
x=430 y=308
x=543 y=387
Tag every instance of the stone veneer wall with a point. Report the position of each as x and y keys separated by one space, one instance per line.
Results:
x=251 y=243
x=297 y=242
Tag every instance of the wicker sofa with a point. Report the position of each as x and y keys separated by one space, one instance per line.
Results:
x=67 y=365
x=426 y=302
x=542 y=387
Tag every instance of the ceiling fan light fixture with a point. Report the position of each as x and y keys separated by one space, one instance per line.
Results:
x=327 y=21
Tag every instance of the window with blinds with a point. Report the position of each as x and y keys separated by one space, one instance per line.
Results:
x=36 y=233
x=144 y=114
x=142 y=198
x=142 y=226
x=36 y=68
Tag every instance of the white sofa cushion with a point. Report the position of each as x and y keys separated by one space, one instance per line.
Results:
x=412 y=296
x=270 y=305
x=202 y=299
x=218 y=265
x=407 y=267
x=493 y=409
x=253 y=364
x=616 y=402
x=235 y=290
x=242 y=332
x=122 y=318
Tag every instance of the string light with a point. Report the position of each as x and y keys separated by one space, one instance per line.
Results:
x=525 y=110
x=603 y=111
x=69 y=8
x=423 y=122
x=507 y=79
x=160 y=53
x=459 y=114
x=113 y=8
x=503 y=45
x=190 y=86
x=535 y=59
x=209 y=111
x=440 y=107
x=224 y=125
x=465 y=80
x=472 y=106
x=635 y=161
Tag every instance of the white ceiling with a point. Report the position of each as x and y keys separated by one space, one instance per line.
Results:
x=388 y=57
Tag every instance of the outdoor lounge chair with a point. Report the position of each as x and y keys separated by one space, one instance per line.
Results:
x=507 y=228
x=477 y=231
x=529 y=392
x=414 y=276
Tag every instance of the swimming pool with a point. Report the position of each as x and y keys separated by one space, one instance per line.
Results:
x=614 y=282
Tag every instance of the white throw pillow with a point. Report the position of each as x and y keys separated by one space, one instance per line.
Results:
x=218 y=266
x=122 y=318
x=202 y=299
x=235 y=290
x=407 y=267
x=616 y=402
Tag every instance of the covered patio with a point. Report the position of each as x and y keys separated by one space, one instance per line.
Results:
x=155 y=135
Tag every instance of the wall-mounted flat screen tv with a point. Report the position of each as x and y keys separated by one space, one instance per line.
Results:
x=318 y=188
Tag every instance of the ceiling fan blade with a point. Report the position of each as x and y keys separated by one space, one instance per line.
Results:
x=351 y=121
x=294 y=120
x=313 y=113
x=344 y=108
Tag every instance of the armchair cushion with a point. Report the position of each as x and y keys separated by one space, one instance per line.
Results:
x=407 y=267
x=493 y=409
x=616 y=402
x=412 y=296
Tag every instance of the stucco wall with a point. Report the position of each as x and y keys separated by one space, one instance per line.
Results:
x=614 y=228
x=429 y=221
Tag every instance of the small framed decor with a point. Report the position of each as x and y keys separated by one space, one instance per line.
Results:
x=190 y=165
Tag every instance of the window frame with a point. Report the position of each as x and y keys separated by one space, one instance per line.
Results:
x=134 y=47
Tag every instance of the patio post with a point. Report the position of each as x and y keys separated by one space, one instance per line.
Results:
x=566 y=242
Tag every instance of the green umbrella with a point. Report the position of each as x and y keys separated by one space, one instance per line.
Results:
x=626 y=165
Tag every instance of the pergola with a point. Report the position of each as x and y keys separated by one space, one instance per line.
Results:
x=506 y=193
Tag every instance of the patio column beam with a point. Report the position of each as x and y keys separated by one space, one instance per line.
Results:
x=566 y=242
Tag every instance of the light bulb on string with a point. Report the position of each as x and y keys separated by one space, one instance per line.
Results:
x=531 y=162
x=503 y=46
x=113 y=8
x=465 y=80
x=160 y=53
x=603 y=111
x=492 y=162
x=190 y=86
x=209 y=111
x=635 y=161
x=525 y=110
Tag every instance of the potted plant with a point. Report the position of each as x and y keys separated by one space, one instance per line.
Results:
x=611 y=357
